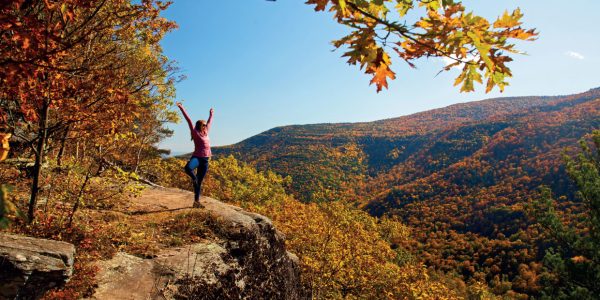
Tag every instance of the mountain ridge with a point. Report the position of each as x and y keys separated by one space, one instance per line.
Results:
x=394 y=133
x=461 y=176
x=455 y=105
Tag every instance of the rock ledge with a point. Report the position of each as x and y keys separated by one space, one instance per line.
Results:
x=246 y=260
x=30 y=266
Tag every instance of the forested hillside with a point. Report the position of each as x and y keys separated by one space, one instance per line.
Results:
x=452 y=203
x=462 y=175
x=353 y=158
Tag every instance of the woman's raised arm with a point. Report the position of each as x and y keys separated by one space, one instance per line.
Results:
x=210 y=116
x=185 y=115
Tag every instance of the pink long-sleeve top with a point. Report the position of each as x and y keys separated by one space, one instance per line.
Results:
x=201 y=140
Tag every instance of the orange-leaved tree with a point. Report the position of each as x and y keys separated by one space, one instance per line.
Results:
x=444 y=29
x=78 y=68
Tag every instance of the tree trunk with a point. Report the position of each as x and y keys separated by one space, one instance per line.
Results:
x=39 y=159
x=80 y=195
x=62 y=147
x=138 y=156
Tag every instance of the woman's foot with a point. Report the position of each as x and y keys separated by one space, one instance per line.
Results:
x=197 y=204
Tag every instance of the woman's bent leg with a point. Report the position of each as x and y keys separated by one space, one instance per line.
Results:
x=202 y=169
x=189 y=169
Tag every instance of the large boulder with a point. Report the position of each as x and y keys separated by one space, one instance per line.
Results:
x=260 y=266
x=31 y=266
x=247 y=259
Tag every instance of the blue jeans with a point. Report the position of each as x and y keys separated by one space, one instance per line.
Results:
x=201 y=163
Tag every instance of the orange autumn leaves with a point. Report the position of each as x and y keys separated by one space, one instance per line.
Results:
x=70 y=53
x=75 y=70
x=444 y=29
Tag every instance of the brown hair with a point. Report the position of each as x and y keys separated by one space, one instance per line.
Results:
x=200 y=127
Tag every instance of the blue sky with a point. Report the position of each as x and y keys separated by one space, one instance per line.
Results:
x=264 y=64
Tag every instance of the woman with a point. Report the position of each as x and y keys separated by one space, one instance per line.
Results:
x=201 y=155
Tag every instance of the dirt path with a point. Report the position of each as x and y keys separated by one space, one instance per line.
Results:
x=156 y=199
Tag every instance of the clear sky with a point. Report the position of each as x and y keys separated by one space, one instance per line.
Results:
x=264 y=64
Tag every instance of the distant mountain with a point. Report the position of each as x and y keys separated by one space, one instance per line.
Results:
x=396 y=151
x=460 y=175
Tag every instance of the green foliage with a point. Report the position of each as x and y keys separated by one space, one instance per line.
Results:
x=585 y=171
x=573 y=266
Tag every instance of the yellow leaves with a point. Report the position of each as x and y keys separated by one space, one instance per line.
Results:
x=512 y=22
x=483 y=49
x=343 y=10
x=338 y=246
x=403 y=6
x=432 y=4
x=468 y=76
x=443 y=30
x=509 y=20
x=237 y=182
x=367 y=54
x=343 y=248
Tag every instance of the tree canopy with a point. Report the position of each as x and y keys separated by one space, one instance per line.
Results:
x=88 y=72
x=572 y=265
x=444 y=29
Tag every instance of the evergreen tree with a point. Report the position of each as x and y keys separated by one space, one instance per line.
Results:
x=573 y=264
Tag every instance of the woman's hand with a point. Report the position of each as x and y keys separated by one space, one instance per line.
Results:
x=211 y=111
x=179 y=104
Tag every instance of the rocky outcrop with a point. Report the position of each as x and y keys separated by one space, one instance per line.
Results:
x=246 y=260
x=30 y=266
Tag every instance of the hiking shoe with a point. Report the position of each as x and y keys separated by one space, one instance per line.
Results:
x=197 y=205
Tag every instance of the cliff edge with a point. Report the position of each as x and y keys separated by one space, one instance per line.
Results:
x=246 y=258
